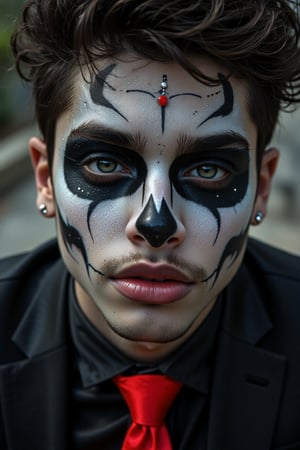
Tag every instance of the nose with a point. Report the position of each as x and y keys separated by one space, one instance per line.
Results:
x=156 y=227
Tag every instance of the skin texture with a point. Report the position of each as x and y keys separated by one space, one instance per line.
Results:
x=153 y=213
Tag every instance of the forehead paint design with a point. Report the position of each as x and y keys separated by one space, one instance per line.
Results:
x=100 y=82
x=164 y=99
x=81 y=151
x=156 y=226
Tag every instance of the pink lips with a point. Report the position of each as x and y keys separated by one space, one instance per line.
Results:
x=155 y=284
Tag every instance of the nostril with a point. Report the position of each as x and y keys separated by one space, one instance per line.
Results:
x=172 y=240
x=138 y=238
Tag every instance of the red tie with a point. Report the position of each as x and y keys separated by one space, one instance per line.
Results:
x=148 y=398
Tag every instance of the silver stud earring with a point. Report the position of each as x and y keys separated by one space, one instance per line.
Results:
x=259 y=217
x=43 y=209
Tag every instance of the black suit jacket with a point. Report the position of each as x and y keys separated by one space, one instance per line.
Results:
x=255 y=403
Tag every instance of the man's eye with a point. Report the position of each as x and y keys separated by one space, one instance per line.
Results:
x=105 y=166
x=207 y=172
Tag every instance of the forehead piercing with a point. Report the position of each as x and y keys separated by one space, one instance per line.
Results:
x=259 y=217
x=43 y=209
x=163 y=98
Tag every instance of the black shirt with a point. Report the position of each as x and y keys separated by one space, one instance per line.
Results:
x=100 y=417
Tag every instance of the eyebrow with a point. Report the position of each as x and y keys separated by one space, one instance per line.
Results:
x=188 y=144
x=93 y=131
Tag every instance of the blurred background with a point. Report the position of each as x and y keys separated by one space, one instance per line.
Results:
x=22 y=227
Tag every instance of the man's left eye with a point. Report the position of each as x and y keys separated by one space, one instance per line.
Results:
x=207 y=172
x=106 y=166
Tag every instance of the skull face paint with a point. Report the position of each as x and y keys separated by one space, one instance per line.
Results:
x=153 y=223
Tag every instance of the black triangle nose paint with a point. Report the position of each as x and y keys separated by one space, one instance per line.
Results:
x=156 y=226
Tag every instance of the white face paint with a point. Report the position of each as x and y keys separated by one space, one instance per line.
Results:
x=154 y=202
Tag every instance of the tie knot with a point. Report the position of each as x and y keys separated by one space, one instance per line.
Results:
x=148 y=397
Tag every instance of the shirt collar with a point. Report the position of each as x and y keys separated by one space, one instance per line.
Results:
x=98 y=360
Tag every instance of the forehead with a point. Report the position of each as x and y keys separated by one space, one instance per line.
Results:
x=123 y=95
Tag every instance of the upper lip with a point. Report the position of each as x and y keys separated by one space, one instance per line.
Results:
x=154 y=272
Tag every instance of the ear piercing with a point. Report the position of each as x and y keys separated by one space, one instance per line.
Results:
x=163 y=98
x=259 y=217
x=43 y=209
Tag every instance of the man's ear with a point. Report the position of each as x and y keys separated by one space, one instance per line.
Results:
x=268 y=167
x=45 y=194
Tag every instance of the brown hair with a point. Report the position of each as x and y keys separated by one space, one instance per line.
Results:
x=256 y=40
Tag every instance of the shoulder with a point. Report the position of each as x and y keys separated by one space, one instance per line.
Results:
x=29 y=264
x=271 y=278
x=20 y=276
x=272 y=262
x=276 y=277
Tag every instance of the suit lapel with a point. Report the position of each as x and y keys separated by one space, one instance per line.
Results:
x=33 y=395
x=248 y=380
x=34 y=390
x=245 y=396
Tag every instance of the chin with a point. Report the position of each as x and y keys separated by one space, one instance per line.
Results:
x=150 y=333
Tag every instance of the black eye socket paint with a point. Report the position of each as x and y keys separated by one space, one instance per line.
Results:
x=230 y=192
x=82 y=185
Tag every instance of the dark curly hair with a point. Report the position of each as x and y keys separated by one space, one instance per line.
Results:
x=257 y=40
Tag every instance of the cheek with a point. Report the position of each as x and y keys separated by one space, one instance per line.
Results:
x=108 y=220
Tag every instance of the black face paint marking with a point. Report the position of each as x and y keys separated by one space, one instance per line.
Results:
x=101 y=187
x=233 y=250
x=141 y=91
x=97 y=89
x=163 y=100
x=156 y=226
x=227 y=193
x=227 y=106
x=72 y=237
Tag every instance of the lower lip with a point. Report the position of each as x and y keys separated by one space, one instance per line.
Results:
x=152 y=292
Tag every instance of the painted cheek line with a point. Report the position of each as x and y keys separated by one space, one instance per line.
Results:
x=72 y=237
x=233 y=250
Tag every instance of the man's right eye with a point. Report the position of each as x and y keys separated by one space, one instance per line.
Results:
x=104 y=169
x=106 y=166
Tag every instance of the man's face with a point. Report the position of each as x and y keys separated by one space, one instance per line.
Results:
x=153 y=197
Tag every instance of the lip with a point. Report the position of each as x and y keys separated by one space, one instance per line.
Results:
x=152 y=284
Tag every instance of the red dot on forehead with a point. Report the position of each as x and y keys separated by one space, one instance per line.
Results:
x=163 y=100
